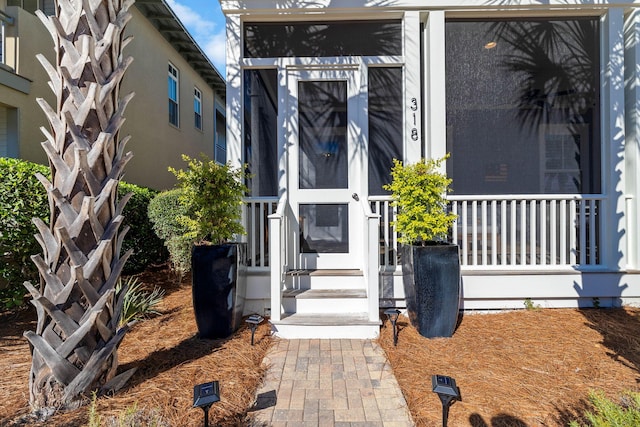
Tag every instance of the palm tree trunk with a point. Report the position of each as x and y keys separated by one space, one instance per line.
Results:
x=74 y=347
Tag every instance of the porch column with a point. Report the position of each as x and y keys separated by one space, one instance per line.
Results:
x=435 y=82
x=632 y=134
x=413 y=97
x=234 y=92
x=614 y=235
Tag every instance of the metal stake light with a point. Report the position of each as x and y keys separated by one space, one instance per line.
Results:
x=447 y=391
x=205 y=395
x=254 y=320
x=392 y=314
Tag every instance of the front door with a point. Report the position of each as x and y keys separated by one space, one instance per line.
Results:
x=326 y=142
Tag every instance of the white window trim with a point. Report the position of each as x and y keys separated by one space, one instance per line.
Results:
x=197 y=97
x=176 y=78
x=219 y=109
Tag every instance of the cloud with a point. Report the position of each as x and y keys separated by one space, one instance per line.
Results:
x=209 y=34
x=194 y=22
x=216 y=51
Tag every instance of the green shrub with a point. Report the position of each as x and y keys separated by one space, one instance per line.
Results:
x=213 y=196
x=164 y=209
x=419 y=192
x=138 y=303
x=147 y=247
x=22 y=198
x=609 y=414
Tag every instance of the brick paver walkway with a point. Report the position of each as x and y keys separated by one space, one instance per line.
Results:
x=312 y=382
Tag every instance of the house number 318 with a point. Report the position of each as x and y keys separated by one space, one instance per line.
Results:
x=414 y=129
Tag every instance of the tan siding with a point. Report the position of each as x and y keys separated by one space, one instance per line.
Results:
x=3 y=132
x=31 y=37
x=155 y=143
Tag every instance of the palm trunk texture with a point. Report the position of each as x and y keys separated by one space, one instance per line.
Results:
x=74 y=347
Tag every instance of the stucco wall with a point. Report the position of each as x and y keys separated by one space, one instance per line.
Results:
x=155 y=143
x=30 y=36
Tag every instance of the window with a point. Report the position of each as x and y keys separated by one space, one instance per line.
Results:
x=313 y=39
x=173 y=95
x=48 y=7
x=197 y=108
x=220 y=139
x=523 y=106
x=2 y=43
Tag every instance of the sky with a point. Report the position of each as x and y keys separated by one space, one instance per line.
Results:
x=205 y=22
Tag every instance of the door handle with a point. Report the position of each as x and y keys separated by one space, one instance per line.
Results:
x=355 y=197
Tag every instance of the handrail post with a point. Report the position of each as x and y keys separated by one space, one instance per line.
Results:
x=372 y=265
x=275 y=242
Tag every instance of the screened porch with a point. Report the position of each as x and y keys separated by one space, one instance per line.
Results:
x=493 y=232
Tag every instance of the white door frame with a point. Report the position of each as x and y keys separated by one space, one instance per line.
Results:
x=355 y=75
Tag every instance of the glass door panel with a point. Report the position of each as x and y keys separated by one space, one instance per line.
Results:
x=326 y=141
x=324 y=228
x=322 y=122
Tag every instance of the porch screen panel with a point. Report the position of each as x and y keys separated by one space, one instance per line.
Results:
x=385 y=125
x=523 y=106
x=316 y=39
x=260 y=136
x=322 y=129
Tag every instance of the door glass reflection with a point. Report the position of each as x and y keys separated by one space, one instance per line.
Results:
x=322 y=107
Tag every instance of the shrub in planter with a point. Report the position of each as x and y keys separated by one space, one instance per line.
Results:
x=213 y=196
x=430 y=265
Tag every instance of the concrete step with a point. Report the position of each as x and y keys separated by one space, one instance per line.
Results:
x=326 y=325
x=324 y=300
x=325 y=279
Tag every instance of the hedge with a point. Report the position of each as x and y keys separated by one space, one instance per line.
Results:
x=164 y=211
x=22 y=198
x=148 y=248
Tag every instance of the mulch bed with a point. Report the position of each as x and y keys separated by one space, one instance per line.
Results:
x=519 y=368
x=170 y=360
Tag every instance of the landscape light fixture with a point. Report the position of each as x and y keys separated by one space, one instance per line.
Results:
x=254 y=320
x=205 y=395
x=447 y=391
x=392 y=314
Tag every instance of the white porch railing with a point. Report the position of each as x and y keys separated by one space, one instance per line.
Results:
x=257 y=211
x=279 y=238
x=523 y=231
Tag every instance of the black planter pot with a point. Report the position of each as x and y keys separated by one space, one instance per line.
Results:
x=219 y=288
x=431 y=278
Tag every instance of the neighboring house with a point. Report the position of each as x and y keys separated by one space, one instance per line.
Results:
x=179 y=102
x=537 y=102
